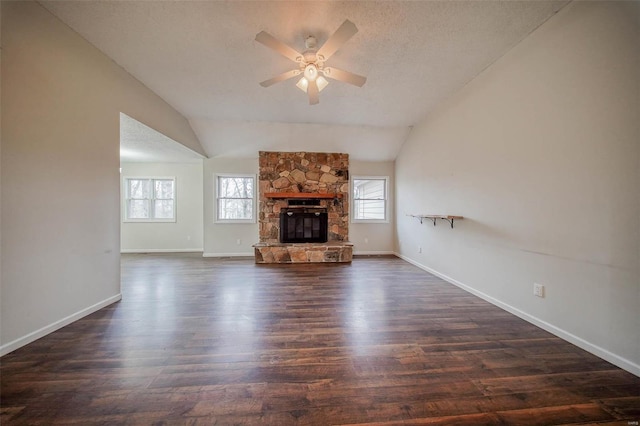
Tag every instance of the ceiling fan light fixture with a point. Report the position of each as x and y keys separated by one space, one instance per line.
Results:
x=321 y=82
x=303 y=84
x=311 y=63
x=311 y=72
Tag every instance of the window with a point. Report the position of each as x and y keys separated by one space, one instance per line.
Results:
x=370 y=199
x=150 y=199
x=235 y=198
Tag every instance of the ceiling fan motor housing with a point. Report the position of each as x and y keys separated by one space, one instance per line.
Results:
x=309 y=56
x=310 y=42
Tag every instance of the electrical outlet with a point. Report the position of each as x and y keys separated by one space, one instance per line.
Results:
x=538 y=290
x=366 y=240
x=238 y=241
x=419 y=249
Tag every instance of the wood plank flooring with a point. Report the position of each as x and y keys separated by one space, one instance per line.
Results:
x=209 y=341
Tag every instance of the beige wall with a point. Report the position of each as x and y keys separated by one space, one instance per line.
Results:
x=227 y=239
x=541 y=154
x=0 y=174
x=61 y=104
x=374 y=238
x=185 y=234
x=222 y=239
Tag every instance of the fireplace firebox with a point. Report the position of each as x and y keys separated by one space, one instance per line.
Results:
x=301 y=224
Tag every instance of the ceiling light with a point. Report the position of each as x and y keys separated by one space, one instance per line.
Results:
x=311 y=62
x=321 y=82
x=311 y=72
x=302 y=84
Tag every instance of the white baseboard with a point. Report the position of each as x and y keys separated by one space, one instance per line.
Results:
x=373 y=253
x=187 y=250
x=251 y=254
x=614 y=359
x=25 y=340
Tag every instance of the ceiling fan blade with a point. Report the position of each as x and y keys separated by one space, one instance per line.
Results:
x=313 y=91
x=345 y=76
x=272 y=42
x=282 y=77
x=347 y=30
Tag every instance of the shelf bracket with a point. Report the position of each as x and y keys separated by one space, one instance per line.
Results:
x=448 y=220
x=434 y=218
x=417 y=217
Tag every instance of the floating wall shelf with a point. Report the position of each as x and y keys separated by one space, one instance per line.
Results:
x=434 y=217
x=307 y=195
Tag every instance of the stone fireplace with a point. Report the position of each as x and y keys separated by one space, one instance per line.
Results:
x=303 y=208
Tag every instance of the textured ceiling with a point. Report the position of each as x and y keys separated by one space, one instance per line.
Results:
x=201 y=57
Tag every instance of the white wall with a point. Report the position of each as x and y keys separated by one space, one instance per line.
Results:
x=61 y=104
x=221 y=239
x=541 y=154
x=0 y=174
x=373 y=238
x=186 y=233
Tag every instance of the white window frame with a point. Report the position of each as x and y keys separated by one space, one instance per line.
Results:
x=151 y=219
x=385 y=199
x=216 y=198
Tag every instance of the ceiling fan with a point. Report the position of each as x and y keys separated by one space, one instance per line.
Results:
x=311 y=61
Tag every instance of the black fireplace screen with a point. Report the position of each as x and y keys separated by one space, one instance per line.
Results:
x=303 y=225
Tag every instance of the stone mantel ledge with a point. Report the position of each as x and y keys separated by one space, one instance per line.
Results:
x=329 y=252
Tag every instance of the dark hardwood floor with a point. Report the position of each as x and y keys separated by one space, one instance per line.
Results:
x=205 y=341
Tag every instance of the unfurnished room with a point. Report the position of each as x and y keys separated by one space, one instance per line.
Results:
x=320 y=212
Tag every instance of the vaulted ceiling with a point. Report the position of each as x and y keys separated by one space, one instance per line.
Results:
x=201 y=57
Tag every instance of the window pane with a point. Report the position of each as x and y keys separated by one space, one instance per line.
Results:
x=235 y=209
x=138 y=209
x=164 y=189
x=370 y=188
x=369 y=209
x=139 y=188
x=235 y=187
x=163 y=209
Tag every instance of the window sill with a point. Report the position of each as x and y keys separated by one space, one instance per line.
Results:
x=234 y=222
x=370 y=221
